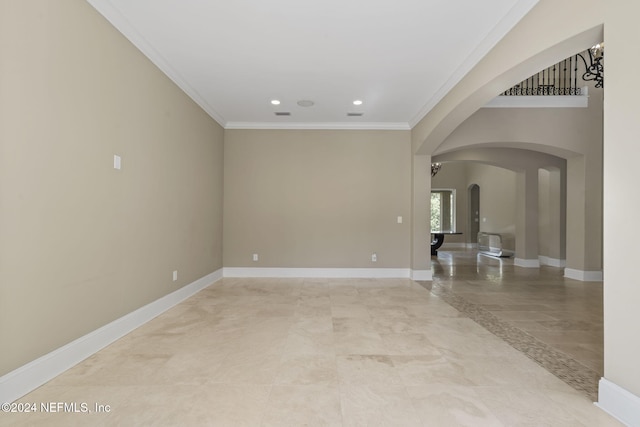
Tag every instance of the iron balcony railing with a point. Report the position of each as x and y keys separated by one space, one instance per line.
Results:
x=564 y=77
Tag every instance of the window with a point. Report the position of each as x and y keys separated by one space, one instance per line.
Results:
x=443 y=204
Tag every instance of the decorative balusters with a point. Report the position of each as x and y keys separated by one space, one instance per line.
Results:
x=562 y=78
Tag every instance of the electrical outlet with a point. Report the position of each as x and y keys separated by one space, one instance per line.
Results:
x=374 y=257
x=255 y=257
x=175 y=275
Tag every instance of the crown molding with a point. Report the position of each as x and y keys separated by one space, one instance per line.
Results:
x=515 y=14
x=112 y=14
x=118 y=20
x=319 y=126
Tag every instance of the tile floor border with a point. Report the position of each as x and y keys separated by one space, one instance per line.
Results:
x=566 y=368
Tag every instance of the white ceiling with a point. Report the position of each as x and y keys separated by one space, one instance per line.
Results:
x=232 y=57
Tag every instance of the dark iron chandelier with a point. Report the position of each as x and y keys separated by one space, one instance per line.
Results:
x=594 y=69
x=435 y=168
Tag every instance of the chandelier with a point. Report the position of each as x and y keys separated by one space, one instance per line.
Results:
x=435 y=168
x=594 y=69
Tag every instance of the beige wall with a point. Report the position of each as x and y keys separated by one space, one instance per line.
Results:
x=621 y=205
x=571 y=133
x=545 y=217
x=574 y=134
x=551 y=213
x=453 y=175
x=497 y=200
x=519 y=231
x=562 y=132
x=317 y=198
x=420 y=217
x=498 y=191
x=82 y=244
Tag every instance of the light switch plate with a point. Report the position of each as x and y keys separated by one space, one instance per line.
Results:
x=117 y=162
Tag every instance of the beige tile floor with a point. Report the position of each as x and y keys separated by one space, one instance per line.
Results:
x=564 y=313
x=298 y=352
x=560 y=320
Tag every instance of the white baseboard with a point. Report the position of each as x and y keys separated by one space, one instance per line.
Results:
x=553 y=262
x=526 y=263
x=584 y=276
x=619 y=403
x=342 y=273
x=27 y=378
x=422 y=275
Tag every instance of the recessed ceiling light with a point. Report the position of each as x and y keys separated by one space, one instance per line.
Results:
x=306 y=103
x=357 y=102
x=275 y=102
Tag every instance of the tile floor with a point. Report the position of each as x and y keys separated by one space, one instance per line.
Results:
x=357 y=352
x=557 y=322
